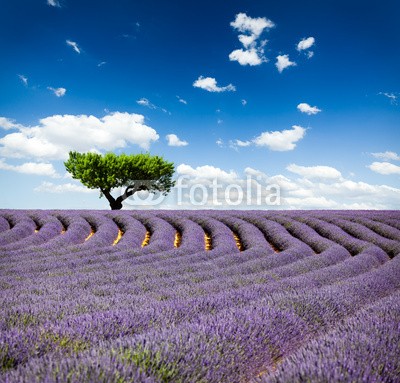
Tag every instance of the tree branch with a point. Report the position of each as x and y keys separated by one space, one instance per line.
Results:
x=113 y=202
x=131 y=190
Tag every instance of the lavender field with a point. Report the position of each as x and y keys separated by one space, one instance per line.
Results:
x=199 y=296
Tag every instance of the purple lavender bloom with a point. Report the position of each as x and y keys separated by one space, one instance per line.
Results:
x=309 y=295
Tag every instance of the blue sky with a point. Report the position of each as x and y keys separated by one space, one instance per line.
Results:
x=305 y=95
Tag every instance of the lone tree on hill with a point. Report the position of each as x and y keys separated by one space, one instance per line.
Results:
x=135 y=172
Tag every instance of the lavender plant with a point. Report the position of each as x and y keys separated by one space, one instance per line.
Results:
x=278 y=297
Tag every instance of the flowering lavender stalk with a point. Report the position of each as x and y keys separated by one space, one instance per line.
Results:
x=92 y=311
x=390 y=246
x=4 y=224
x=353 y=245
x=21 y=227
x=364 y=348
x=47 y=226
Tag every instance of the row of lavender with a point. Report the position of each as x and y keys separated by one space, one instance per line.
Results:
x=96 y=310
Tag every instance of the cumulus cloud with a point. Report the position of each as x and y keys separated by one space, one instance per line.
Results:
x=326 y=172
x=24 y=79
x=59 y=92
x=385 y=156
x=210 y=85
x=53 y=3
x=100 y=64
x=220 y=142
x=56 y=135
x=254 y=26
x=244 y=102
x=49 y=187
x=247 y=57
x=7 y=123
x=145 y=102
x=240 y=143
x=247 y=41
x=253 y=52
x=283 y=62
x=385 y=168
x=320 y=187
x=305 y=43
x=305 y=108
x=281 y=140
x=34 y=168
x=74 y=45
x=206 y=172
x=173 y=140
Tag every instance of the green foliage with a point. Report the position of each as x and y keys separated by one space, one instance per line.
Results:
x=110 y=171
x=148 y=362
x=135 y=172
x=7 y=362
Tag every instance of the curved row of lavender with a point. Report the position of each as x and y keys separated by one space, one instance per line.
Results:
x=199 y=296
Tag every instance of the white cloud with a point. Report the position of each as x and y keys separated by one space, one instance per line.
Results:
x=305 y=43
x=244 y=102
x=307 y=202
x=49 y=187
x=145 y=102
x=247 y=41
x=305 y=108
x=241 y=143
x=206 y=172
x=220 y=142
x=7 y=124
x=386 y=156
x=385 y=168
x=253 y=53
x=24 y=79
x=247 y=57
x=181 y=100
x=100 y=64
x=254 y=26
x=53 y=3
x=34 y=168
x=283 y=62
x=173 y=140
x=56 y=135
x=210 y=84
x=391 y=96
x=74 y=45
x=213 y=183
x=59 y=92
x=281 y=140
x=308 y=172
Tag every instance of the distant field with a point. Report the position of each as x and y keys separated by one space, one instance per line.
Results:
x=199 y=296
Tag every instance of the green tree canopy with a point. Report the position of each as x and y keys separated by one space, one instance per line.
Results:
x=134 y=172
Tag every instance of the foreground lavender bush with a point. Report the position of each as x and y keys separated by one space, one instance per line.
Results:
x=199 y=296
x=364 y=348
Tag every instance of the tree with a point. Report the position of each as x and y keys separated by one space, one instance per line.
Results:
x=135 y=172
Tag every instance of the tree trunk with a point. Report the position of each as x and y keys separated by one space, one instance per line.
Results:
x=115 y=204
